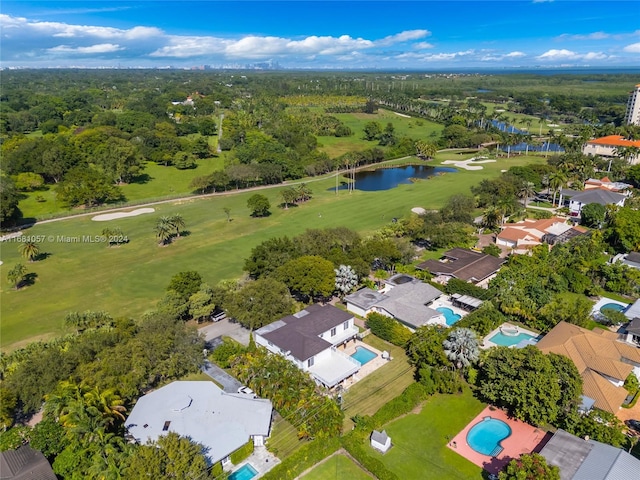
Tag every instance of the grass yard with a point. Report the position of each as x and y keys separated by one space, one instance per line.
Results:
x=337 y=467
x=420 y=440
x=283 y=440
x=376 y=389
x=129 y=280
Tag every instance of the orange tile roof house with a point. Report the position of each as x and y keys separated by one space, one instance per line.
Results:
x=603 y=361
x=524 y=235
x=609 y=147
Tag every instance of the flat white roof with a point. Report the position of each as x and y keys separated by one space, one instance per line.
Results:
x=200 y=410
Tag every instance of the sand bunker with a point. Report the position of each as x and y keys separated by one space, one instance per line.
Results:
x=471 y=164
x=113 y=216
x=418 y=210
x=402 y=115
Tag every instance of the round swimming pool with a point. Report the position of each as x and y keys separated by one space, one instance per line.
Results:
x=485 y=436
x=612 y=306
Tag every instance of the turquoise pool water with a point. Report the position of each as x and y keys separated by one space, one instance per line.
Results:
x=508 y=340
x=612 y=306
x=364 y=355
x=485 y=436
x=449 y=316
x=247 y=472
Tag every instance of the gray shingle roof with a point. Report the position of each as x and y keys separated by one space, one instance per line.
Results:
x=298 y=333
x=25 y=463
x=597 y=195
x=380 y=437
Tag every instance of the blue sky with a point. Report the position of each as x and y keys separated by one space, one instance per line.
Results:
x=421 y=35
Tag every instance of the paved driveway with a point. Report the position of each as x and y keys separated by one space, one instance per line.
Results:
x=225 y=328
x=229 y=383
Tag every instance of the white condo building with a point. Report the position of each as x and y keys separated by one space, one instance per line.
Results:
x=632 y=117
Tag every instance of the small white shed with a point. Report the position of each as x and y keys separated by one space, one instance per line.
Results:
x=380 y=441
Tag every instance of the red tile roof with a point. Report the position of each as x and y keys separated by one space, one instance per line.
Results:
x=616 y=141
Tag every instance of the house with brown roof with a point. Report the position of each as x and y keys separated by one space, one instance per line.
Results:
x=522 y=236
x=309 y=339
x=610 y=147
x=603 y=361
x=473 y=267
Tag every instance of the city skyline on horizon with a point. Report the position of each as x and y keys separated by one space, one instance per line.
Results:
x=333 y=35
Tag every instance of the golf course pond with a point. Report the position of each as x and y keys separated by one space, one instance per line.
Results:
x=388 y=178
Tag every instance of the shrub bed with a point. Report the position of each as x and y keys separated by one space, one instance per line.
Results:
x=388 y=329
x=242 y=453
x=305 y=457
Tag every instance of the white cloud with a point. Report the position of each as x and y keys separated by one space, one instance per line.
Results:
x=93 y=49
x=564 y=54
x=422 y=45
x=633 y=48
x=506 y=56
x=589 y=36
x=405 y=36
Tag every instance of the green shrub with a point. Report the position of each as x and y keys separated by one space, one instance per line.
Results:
x=483 y=320
x=631 y=384
x=463 y=288
x=305 y=457
x=242 y=453
x=216 y=470
x=354 y=443
x=404 y=403
x=223 y=354
x=388 y=329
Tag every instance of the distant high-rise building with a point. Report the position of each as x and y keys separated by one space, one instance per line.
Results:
x=632 y=117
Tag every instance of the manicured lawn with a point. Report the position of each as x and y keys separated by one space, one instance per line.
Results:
x=129 y=280
x=283 y=440
x=372 y=392
x=420 y=441
x=338 y=467
x=404 y=127
x=158 y=182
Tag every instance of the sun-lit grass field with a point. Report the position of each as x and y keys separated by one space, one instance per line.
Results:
x=128 y=280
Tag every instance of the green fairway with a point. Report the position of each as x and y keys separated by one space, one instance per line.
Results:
x=418 y=129
x=420 y=441
x=128 y=280
x=337 y=467
x=158 y=182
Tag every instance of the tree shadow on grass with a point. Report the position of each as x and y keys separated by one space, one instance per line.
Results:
x=142 y=178
x=28 y=280
x=42 y=256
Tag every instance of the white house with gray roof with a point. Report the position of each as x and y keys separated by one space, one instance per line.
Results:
x=220 y=422
x=580 y=459
x=601 y=196
x=309 y=339
x=408 y=302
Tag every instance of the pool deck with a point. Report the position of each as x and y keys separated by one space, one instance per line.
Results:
x=523 y=439
x=445 y=302
x=367 y=368
x=486 y=343
x=261 y=460
x=595 y=311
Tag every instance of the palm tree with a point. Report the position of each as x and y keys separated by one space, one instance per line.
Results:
x=164 y=230
x=289 y=195
x=528 y=189
x=556 y=182
x=346 y=279
x=461 y=347
x=176 y=221
x=16 y=275
x=108 y=403
x=29 y=250
x=491 y=217
x=304 y=192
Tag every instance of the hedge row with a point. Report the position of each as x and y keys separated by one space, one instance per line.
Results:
x=455 y=285
x=388 y=329
x=354 y=443
x=305 y=457
x=242 y=453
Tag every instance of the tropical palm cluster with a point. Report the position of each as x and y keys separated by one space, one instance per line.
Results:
x=295 y=195
x=169 y=227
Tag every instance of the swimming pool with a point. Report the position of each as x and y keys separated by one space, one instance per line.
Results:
x=246 y=472
x=613 y=306
x=364 y=355
x=449 y=315
x=510 y=340
x=485 y=436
